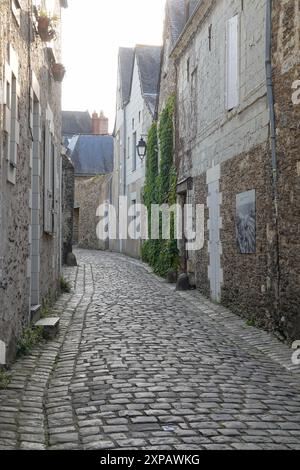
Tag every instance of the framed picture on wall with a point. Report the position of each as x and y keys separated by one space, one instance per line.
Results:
x=246 y=222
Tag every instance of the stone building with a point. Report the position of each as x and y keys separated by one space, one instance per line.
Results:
x=30 y=165
x=177 y=13
x=236 y=160
x=92 y=157
x=285 y=60
x=137 y=92
x=68 y=190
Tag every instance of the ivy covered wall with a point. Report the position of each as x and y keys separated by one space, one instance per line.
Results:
x=160 y=188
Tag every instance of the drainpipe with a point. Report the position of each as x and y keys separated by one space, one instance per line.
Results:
x=124 y=151
x=124 y=163
x=270 y=95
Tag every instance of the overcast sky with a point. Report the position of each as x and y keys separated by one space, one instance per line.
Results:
x=93 y=30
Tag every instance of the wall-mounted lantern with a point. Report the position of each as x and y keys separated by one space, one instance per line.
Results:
x=142 y=149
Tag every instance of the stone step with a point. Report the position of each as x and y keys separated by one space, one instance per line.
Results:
x=50 y=326
x=35 y=313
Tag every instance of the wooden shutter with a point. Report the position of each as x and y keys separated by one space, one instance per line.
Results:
x=232 y=79
x=11 y=119
x=48 y=181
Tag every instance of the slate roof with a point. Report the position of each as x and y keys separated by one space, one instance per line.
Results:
x=92 y=154
x=149 y=60
x=175 y=11
x=76 y=122
x=126 y=60
x=193 y=5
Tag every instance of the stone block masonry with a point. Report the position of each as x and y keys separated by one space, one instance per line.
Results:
x=30 y=252
x=68 y=190
x=90 y=193
x=286 y=70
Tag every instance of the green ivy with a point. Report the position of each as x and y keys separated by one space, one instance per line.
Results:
x=160 y=188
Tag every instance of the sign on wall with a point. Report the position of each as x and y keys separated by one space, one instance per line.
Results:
x=246 y=222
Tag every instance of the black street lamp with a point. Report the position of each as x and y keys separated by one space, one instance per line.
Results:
x=141 y=149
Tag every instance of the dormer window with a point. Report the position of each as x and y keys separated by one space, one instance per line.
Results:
x=187 y=9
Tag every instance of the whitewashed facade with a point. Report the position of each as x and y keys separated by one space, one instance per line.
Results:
x=134 y=117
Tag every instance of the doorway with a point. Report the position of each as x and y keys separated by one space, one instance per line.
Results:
x=214 y=240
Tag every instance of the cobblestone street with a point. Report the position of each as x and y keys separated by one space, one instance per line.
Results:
x=137 y=365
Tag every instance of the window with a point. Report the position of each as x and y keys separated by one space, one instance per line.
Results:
x=8 y=95
x=194 y=101
x=210 y=38
x=134 y=217
x=14 y=123
x=16 y=10
x=232 y=63
x=11 y=113
x=134 y=151
x=188 y=70
x=50 y=165
x=128 y=148
x=140 y=117
x=187 y=10
x=48 y=179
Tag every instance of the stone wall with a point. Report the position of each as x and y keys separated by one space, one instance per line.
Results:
x=234 y=148
x=90 y=193
x=249 y=280
x=68 y=189
x=19 y=265
x=286 y=72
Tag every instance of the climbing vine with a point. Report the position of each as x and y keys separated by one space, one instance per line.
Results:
x=160 y=188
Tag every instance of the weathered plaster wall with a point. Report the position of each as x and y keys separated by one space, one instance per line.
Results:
x=206 y=130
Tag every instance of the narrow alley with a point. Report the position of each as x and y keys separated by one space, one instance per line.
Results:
x=137 y=365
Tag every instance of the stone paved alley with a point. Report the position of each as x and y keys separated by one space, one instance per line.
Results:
x=137 y=365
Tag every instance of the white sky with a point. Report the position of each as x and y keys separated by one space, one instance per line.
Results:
x=93 y=30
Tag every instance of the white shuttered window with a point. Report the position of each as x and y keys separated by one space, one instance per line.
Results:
x=48 y=180
x=232 y=62
x=11 y=119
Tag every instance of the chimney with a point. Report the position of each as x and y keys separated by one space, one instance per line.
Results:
x=99 y=124
x=103 y=124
